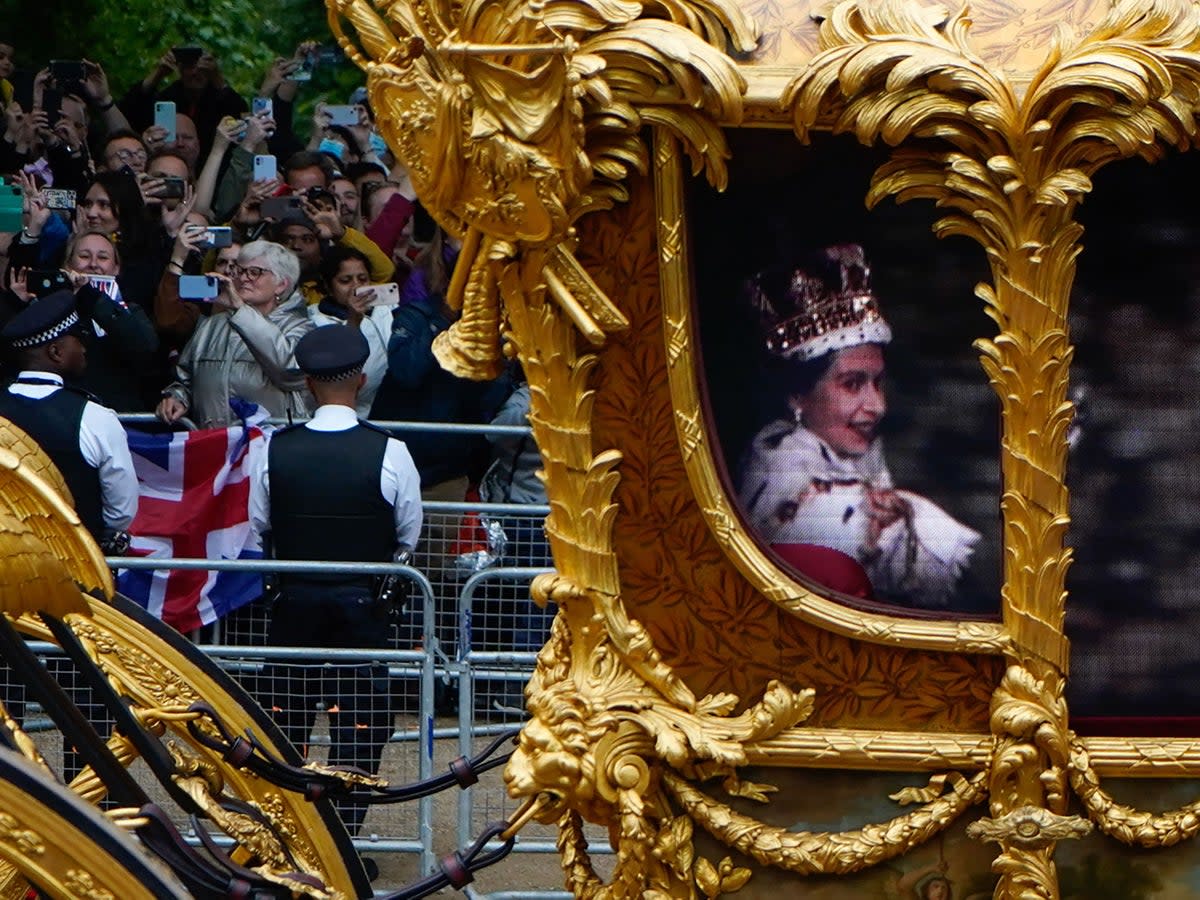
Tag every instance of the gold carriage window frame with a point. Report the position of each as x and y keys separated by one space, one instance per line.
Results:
x=962 y=635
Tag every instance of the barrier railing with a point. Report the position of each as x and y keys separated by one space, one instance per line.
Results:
x=387 y=424
x=423 y=658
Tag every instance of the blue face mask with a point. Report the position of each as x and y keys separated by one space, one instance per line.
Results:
x=378 y=144
x=334 y=148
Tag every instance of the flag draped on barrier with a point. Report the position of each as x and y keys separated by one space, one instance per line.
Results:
x=194 y=492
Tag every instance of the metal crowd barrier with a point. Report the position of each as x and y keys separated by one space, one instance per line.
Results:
x=223 y=653
x=450 y=647
x=386 y=424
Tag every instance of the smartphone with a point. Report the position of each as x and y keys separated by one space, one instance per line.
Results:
x=172 y=188
x=424 y=227
x=52 y=104
x=304 y=71
x=342 y=115
x=164 y=117
x=198 y=287
x=265 y=168
x=59 y=198
x=328 y=55
x=41 y=282
x=11 y=201
x=67 y=71
x=385 y=294
x=186 y=57
x=217 y=236
x=277 y=208
x=262 y=106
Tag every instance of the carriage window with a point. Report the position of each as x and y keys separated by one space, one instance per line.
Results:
x=860 y=437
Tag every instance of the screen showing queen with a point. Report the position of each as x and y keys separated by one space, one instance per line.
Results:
x=814 y=483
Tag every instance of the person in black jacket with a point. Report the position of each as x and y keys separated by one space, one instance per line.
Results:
x=118 y=336
x=81 y=437
x=338 y=489
x=200 y=93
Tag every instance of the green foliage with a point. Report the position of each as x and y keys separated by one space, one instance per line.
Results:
x=128 y=36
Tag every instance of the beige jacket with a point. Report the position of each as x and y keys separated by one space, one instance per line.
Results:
x=244 y=354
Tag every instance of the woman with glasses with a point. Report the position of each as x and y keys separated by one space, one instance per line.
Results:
x=245 y=349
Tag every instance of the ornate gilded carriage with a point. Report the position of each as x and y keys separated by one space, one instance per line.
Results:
x=556 y=140
x=734 y=727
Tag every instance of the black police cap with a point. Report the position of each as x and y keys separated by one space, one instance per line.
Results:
x=42 y=321
x=332 y=353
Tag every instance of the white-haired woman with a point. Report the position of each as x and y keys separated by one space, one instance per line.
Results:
x=246 y=349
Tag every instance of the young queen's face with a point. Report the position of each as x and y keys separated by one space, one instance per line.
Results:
x=845 y=406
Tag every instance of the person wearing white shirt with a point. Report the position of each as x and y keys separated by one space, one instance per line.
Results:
x=84 y=439
x=336 y=489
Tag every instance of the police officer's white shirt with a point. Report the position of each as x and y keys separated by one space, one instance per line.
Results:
x=103 y=444
x=399 y=482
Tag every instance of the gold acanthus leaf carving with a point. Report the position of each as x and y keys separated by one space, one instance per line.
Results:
x=514 y=120
x=44 y=533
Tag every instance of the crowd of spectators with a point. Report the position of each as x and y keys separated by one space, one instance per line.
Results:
x=204 y=233
x=289 y=227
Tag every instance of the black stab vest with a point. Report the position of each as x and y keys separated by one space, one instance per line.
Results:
x=325 y=500
x=54 y=422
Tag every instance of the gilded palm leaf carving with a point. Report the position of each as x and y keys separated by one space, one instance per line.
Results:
x=1007 y=168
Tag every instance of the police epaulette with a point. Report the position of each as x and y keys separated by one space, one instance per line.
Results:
x=86 y=395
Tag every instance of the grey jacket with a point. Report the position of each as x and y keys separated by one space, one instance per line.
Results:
x=248 y=355
x=512 y=476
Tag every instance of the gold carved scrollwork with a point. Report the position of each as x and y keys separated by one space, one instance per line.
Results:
x=514 y=120
x=161 y=684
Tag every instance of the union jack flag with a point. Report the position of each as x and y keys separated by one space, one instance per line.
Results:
x=194 y=493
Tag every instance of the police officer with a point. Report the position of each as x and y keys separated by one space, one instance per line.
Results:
x=84 y=439
x=335 y=488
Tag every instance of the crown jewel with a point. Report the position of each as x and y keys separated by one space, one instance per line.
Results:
x=824 y=305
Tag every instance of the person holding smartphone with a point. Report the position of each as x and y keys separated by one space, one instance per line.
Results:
x=246 y=347
x=350 y=300
x=200 y=92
